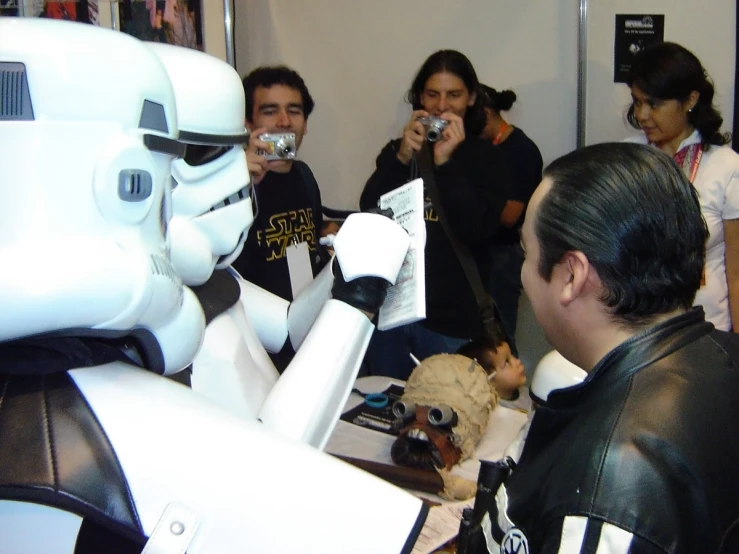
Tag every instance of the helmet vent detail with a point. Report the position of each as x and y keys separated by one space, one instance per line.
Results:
x=236 y=197
x=134 y=185
x=162 y=267
x=15 y=100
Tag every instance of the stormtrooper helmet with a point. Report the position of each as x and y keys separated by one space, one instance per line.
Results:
x=554 y=372
x=212 y=207
x=89 y=129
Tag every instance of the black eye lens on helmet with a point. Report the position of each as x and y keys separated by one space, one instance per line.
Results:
x=165 y=145
x=201 y=154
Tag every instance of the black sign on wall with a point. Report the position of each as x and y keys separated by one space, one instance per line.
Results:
x=633 y=34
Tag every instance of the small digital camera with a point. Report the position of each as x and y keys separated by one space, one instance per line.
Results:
x=280 y=146
x=434 y=127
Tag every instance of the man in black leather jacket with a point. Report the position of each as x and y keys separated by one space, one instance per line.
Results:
x=643 y=456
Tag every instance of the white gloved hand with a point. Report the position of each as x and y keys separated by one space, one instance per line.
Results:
x=370 y=245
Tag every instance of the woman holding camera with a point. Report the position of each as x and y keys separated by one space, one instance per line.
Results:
x=473 y=182
x=672 y=104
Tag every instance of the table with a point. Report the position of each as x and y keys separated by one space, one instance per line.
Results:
x=443 y=521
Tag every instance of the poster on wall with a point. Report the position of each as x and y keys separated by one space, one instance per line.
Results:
x=85 y=11
x=172 y=21
x=735 y=134
x=633 y=34
x=8 y=8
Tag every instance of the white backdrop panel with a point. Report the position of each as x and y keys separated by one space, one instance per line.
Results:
x=358 y=60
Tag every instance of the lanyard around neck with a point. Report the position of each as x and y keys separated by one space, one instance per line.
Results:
x=499 y=136
x=689 y=157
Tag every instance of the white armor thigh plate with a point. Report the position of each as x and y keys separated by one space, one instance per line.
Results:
x=232 y=368
x=252 y=490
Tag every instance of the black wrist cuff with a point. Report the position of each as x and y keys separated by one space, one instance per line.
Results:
x=364 y=293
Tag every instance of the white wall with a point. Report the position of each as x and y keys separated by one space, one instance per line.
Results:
x=707 y=28
x=104 y=14
x=214 y=29
x=358 y=59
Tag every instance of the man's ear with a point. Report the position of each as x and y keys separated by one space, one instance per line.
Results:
x=248 y=125
x=577 y=277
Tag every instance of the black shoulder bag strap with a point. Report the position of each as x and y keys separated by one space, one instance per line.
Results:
x=486 y=307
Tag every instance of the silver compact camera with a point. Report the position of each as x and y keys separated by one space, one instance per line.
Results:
x=434 y=127
x=280 y=146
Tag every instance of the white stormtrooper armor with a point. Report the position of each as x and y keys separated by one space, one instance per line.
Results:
x=98 y=453
x=553 y=372
x=112 y=252
x=212 y=215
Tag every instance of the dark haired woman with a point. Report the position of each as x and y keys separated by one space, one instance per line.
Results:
x=473 y=182
x=524 y=158
x=673 y=106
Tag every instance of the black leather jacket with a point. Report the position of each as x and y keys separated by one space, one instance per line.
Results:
x=643 y=456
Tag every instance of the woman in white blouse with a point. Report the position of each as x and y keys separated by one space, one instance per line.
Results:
x=672 y=104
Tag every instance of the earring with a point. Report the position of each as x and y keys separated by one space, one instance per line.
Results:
x=690 y=110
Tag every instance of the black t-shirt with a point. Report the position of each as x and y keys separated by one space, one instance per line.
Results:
x=523 y=157
x=473 y=186
x=288 y=210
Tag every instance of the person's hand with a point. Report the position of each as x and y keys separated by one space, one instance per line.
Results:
x=414 y=135
x=258 y=164
x=329 y=228
x=452 y=137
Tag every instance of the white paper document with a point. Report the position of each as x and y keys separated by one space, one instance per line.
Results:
x=441 y=526
x=406 y=300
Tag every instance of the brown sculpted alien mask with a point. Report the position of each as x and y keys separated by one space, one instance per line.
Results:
x=443 y=412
